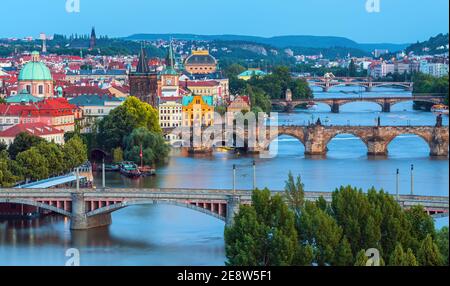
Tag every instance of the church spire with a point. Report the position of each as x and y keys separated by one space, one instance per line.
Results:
x=142 y=66
x=171 y=60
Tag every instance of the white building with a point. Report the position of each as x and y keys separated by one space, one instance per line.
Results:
x=434 y=69
x=170 y=115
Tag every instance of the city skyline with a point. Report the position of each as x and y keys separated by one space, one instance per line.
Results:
x=255 y=18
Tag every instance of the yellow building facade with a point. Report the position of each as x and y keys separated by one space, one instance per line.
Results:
x=198 y=109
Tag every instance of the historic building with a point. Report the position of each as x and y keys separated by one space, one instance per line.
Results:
x=198 y=109
x=143 y=82
x=200 y=62
x=36 y=78
x=38 y=129
x=94 y=108
x=168 y=83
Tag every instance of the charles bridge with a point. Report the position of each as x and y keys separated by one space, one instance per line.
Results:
x=314 y=137
x=289 y=104
x=90 y=208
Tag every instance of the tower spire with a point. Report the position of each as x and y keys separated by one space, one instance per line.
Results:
x=142 y=66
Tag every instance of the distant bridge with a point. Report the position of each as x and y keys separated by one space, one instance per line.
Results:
x=335 y=103
x=327 y=83
x=93 y=208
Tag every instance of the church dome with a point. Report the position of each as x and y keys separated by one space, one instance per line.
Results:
x=200 y=58
x=35 y=70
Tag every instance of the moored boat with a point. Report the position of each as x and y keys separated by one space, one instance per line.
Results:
x=130 y=170
x=440 y=109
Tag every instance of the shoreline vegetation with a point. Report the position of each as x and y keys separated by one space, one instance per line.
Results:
x=294 y=232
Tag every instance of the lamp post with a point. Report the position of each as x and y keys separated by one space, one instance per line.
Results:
x=412 y=179
x=234 y=178
x=103 y=174
x=397 y=184
x=254 y=175
x=77 y=176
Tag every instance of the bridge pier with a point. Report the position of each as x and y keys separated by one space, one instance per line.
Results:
x=233 y=203
x=315 y=141
x=377 y=147
x=79 y=219
x=386 y=107
x=335 y=107
x=439 y=143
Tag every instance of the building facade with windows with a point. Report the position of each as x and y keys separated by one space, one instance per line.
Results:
x=198 y=109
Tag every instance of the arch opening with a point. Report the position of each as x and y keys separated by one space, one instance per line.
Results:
x=360 y=106
x=286 y=145
x=346 y=145
x=408 y=145
x=215 y=210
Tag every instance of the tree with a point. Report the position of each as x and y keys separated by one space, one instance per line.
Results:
x=353 y=212
x=422 y=225
x=75 y=153
x=154 y=147
x=117 y=154
x=23 y=142
x=321 y=231
x=3 y=146
x=8 y=177
x=429 y=254
x=361 y=258
x=344 y=255
x=33 y=164
x=442 y=243
x=263 y=234
x=352 y=69
x=295 y=193
x=132 y=114
x=54 y=155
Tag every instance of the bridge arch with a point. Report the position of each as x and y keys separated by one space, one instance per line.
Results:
x=424 y=137
x=328 y=138
x=36 y=204
x=380 y=104
x=118 y=206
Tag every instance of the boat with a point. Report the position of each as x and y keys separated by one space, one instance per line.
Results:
x=147 y=171
x=130 y=170
x=112 y=167
x=440 y=109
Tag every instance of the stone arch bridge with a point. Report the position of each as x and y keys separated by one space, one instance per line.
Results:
x=315 y=137
x=384 y=102
x=327 y=83
x=89 y=208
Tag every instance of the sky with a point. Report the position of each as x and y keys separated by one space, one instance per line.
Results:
x=396 y=21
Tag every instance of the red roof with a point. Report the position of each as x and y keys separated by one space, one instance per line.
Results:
x=36 y=129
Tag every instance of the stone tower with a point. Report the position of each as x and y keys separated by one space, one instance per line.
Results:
x=143 y=82
x=93 y=41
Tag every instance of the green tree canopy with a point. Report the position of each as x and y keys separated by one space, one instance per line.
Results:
x=23 y=142
x=33 y=164
x=263 y=234
x=154 y=147
x=429 y=254
x=75 y=153
x=132 y=114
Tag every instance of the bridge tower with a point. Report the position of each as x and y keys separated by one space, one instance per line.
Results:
x=440 y=142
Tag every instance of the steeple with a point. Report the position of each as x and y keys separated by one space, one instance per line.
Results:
x=171 y=60
x=142 y=66
x=93 y=40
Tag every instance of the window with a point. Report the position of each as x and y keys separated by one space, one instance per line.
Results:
x=41 y=89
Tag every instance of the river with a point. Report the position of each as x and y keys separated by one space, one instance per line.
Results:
x=170 y=235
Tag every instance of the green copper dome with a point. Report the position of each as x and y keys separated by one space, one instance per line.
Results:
x=35 y=70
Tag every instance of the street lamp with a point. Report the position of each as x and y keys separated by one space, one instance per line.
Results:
x=412 y=179
x=397 y=184
x=254 y=175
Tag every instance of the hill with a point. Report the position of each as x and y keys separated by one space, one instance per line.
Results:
x=279 y=41
x=433 y=46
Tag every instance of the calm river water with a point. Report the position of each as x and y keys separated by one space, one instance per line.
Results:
x=170 y=235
